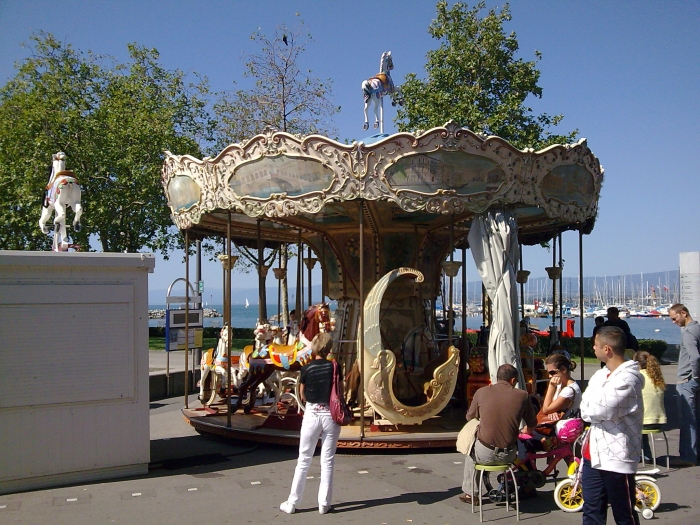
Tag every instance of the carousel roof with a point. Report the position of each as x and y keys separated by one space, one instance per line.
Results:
x=417 y=195
x=407 y=183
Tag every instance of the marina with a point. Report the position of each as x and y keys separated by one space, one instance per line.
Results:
x=642 y=327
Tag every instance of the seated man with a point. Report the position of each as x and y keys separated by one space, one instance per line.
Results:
x=500 y=409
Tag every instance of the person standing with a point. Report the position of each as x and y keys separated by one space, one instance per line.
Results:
x=599 y=321
x=614 y=320
x=653 y=394
x=613 y=405
x=316 y=381
x=688 y=385
x=500 y=408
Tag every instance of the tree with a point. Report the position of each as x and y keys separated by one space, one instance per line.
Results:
x=474 y=79
x=283 y=97
x=113 y=121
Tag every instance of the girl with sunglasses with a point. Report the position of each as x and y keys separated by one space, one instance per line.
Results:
x=563 y=393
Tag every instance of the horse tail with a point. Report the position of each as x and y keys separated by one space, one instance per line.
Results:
x=366 y=89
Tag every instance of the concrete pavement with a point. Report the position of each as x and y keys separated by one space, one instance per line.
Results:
x=196 y=479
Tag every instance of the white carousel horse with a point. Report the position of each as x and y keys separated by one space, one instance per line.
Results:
x=377 y=87
x=214 y=365
x=62 y=191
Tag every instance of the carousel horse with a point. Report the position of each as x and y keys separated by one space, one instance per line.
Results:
x=214 y=365
x=257 y=365
x=61 y=191
x=377 y=87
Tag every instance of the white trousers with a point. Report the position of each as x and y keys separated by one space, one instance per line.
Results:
x=314 y=426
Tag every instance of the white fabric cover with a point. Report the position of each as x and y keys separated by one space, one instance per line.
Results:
x=493 y=241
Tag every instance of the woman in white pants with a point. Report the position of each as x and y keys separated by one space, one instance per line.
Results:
x=316 y=381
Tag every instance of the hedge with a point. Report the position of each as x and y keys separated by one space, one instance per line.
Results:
x=209 y=331
x=655 y=347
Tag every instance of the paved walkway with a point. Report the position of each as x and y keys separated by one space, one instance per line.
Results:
x=197 y=479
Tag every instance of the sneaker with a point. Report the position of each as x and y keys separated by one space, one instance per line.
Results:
x=323 y=509
x=287 y=507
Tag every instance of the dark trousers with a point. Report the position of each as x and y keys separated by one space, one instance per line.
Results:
x=601 y=487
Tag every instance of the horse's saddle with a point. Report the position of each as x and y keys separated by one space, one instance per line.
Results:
x=386 y=81
x=284 y=356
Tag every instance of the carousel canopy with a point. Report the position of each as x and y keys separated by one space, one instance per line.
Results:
x=409 y=187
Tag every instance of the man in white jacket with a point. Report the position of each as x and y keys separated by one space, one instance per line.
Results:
x=613 y=405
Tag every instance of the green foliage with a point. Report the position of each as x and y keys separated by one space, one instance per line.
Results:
x=113 y=121
x=572 y=345
x=655 y=347
x=475 y=79
x=209 y=332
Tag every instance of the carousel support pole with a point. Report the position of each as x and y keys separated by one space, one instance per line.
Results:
x=227 y=316
x=187 y=312
x=561 y=287
x=361 y=328
x=299 y=290
x=580 y=296
x=463 y=346
x=451 y=313
x=323 y=272
x=381 y=115
x=279 y=292
x=262 y=296
x=554 y=284
x=197 y=353
x=309 y=266
x=522 y=285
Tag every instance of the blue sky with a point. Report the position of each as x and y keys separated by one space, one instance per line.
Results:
x=626 y=74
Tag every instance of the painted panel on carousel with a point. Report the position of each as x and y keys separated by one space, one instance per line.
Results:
x=456 y=170
x=183 y=191
x=281 y=174
x=570 y=184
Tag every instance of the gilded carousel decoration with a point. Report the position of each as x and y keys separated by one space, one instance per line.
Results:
x=383 y=219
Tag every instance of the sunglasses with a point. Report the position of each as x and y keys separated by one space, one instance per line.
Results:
x=553 y=372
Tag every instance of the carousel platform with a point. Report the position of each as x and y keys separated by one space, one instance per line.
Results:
x=260 y=426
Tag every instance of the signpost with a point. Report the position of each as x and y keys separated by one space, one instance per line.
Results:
x=177 y=317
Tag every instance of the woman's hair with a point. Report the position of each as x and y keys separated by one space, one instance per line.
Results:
x=560 y=361
x=322 y=344
x=649 y=363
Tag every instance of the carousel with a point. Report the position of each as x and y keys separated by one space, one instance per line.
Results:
x=384 y=217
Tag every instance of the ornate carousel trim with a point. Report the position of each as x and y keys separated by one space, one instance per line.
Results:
x=469 y=172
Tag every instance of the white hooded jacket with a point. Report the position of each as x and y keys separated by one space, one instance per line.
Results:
x=614 y=406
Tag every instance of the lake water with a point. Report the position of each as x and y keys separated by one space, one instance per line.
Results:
x=642 y=327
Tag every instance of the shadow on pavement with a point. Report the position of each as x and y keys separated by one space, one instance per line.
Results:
x=422 y=498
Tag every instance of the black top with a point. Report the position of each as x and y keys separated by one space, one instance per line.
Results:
x=317 y=378
x=622 y=325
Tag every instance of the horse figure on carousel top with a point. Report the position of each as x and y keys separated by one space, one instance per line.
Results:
x=257 y=364
x=61 y=191
x=380 y=85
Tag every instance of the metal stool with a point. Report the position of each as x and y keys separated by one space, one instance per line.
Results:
x=650 y=433
x=495 y=468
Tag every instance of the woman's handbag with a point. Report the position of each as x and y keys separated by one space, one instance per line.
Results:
x=340 y=412
x=546 y=422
